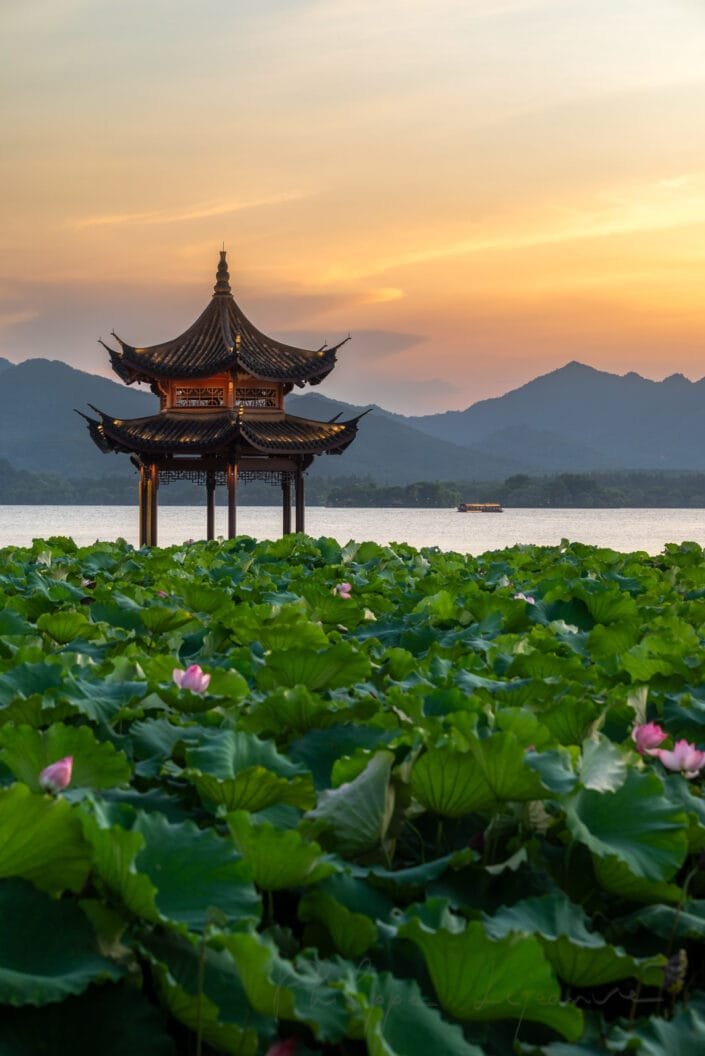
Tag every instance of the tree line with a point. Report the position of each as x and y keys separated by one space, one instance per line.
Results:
x=635 y=488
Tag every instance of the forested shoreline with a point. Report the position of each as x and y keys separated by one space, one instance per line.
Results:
x=635 y=488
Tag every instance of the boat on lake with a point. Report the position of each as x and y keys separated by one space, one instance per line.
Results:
x=480 y=507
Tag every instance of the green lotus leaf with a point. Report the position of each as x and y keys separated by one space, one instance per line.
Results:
x=25 y=679
x=171 y=872
x=441 y=607
x=228 y=683
x=615 y=876
x=96 y=764
x=226 y=753
x=317 y=750
x=555 y=769
x=114 y=853
x=254 y=788
x=636 y=823
x=12 y=624
x=570 y=719
x=641 y=666
x=455 y=783
x=48 y=948
x=399 y=1022
x=159 y=737
x=449 y=783
x=340 y=665
x=686 y=921
x=159 y=619
x=277 y=859
x=289 y=628
x=201 y=988
x=479 y=978
x=66 y=627
x=286 y=990
x=610 y=606
x=41 y=840
x=602 y=765
x=580 y=957
x=202 y=598
x=119 y=1015
x=355 y=816
x=290 y=711
x=416 y=875
x=682 y=1035
x=352 y=933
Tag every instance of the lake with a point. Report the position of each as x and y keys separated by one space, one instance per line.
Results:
x=634 y=529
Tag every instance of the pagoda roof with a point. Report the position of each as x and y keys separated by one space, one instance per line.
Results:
x=210 y=432
x=222 y=338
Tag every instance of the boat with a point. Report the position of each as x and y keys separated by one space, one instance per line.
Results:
x=480 y=507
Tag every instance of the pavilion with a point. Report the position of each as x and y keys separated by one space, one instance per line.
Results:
x=221 y=387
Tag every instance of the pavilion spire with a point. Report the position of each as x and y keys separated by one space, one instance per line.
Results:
x=222 y=278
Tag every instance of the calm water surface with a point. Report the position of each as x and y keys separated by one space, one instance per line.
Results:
x=626 y=530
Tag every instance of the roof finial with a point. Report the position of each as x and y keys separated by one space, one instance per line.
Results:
x=222 y=278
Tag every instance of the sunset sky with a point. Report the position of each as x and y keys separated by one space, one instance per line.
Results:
x=478 y=190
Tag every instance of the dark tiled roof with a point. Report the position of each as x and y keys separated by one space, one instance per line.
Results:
x=209 y=432
x=222 y=338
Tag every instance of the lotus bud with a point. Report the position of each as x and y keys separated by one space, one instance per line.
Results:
x=647 y=736
x=193 y=678
x=343 y=590
x=57 y=776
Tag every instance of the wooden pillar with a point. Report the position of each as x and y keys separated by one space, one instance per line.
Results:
x=286 y=504
x=299 y=501
x=232 y=499
x=153 y=504
x=210 y=504
x=142 y=492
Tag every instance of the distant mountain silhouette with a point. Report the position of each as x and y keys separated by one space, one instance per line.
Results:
x=580 y=418
x=403 y=454
x=39 y=431
x=574 y=419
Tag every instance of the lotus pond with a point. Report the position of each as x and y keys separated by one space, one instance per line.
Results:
x=404 y=803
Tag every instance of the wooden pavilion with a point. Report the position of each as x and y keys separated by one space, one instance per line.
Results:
x=221 y=387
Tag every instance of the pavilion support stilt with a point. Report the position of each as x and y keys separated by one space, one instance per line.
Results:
x=299 y=499
x=286 y=505
x=153 y=504
x=232 y=500
x=210 y=504
x=142 y=493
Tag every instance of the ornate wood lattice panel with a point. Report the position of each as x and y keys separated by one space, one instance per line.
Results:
x=199 y=396
x=257 y=397
x=199 y=476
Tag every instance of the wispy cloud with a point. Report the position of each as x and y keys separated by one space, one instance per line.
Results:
x=196 y=212
x=662 y=205
x=8 y=319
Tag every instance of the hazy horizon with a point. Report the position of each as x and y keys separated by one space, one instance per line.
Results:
x=479 y=190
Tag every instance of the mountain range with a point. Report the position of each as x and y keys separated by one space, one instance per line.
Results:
x=574 y=419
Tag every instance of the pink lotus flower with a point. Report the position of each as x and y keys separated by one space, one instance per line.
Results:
x=282 y=1048
x=56 y=778
x=343 y=590
x=647 y=736
x=162 y=594
x=685 y=758
x=192 y=678
x=528 y=598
